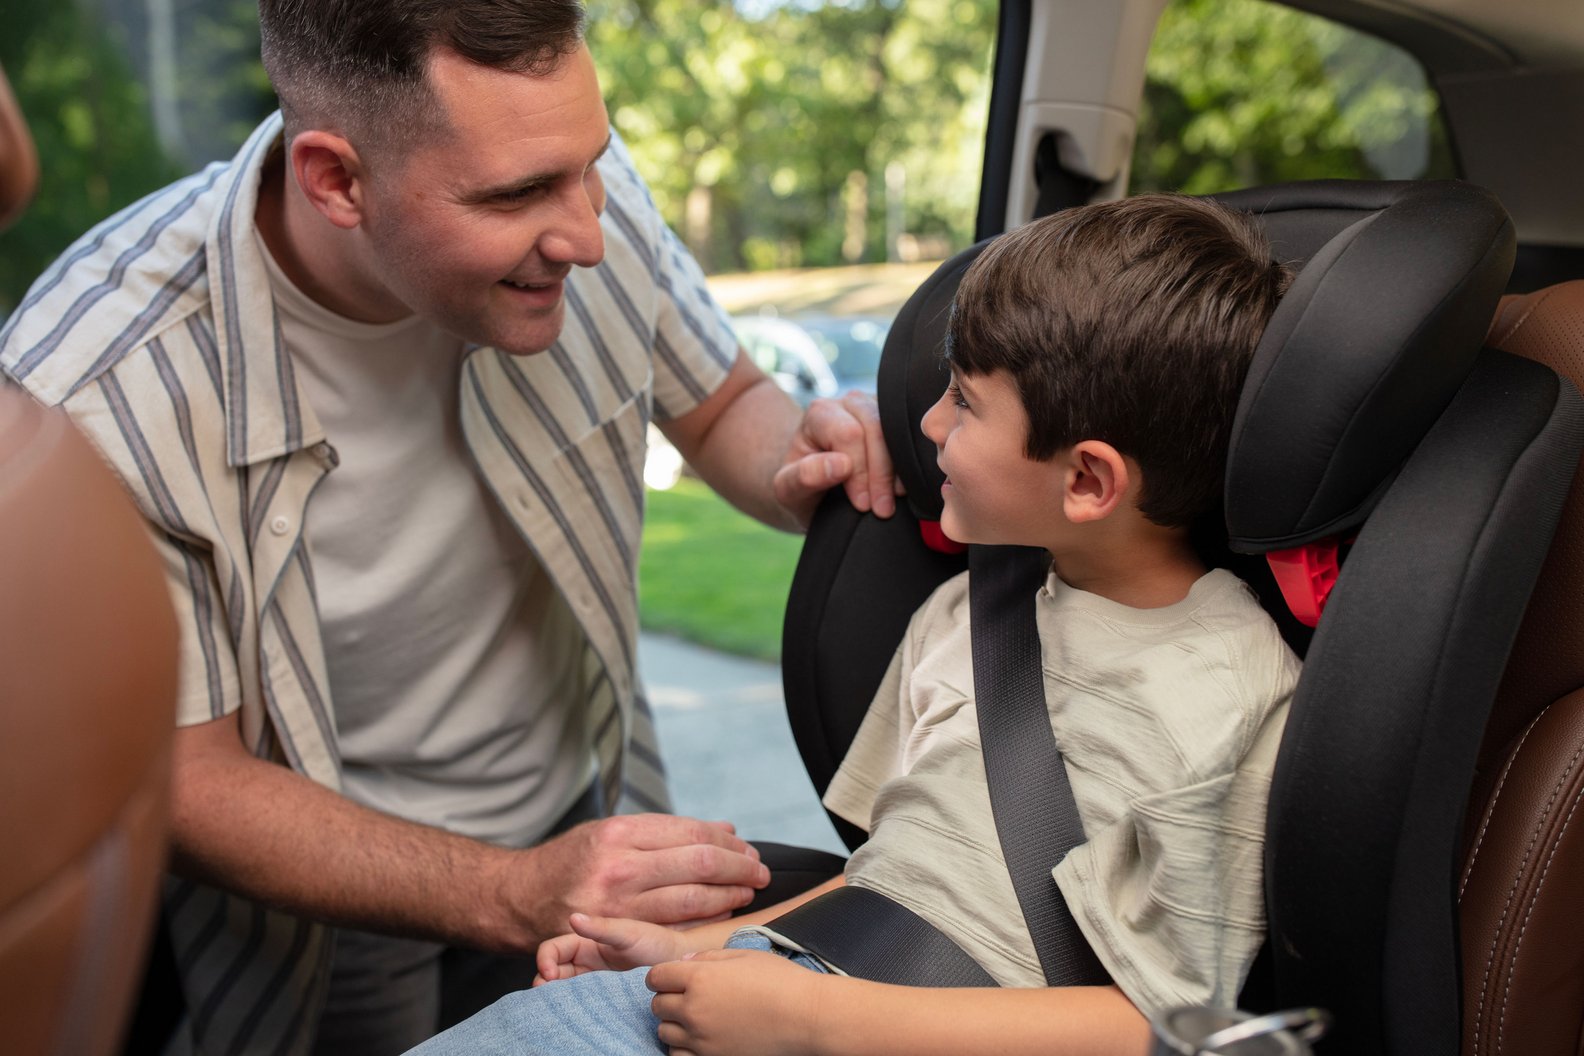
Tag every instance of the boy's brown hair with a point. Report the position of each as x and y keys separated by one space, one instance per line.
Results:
x=1131 y=322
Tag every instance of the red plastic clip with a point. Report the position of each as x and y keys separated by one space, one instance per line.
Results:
x=1306 y=575
x=936 y=539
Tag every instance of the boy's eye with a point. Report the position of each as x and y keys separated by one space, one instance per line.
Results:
x=955 y=395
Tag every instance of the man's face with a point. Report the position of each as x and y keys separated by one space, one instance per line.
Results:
x=478 y=226
x=994 y=493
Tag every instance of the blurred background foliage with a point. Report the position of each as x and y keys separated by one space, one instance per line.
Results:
x=774 y=133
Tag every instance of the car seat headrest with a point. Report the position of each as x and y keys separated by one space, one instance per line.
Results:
x=1398 y=282
x=1378 y=332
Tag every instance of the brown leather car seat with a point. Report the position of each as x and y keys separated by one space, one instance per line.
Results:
x=1522 y=885
x=87 y=700
x=87 y=692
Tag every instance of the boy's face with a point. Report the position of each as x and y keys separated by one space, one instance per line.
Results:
x=994 y=493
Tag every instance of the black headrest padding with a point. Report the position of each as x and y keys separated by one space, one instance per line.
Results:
x=912 y=378
x=1368 y=347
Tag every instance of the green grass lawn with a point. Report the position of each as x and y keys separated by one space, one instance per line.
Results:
x=713 y=575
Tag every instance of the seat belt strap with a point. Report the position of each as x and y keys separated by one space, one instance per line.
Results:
x=1036 y=816
x=869 y=936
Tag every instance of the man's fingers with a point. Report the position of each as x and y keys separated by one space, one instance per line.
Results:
x=679 y=903
x=656 y=832
x=877 y=475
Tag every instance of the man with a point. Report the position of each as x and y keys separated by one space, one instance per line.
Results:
x=433 y=298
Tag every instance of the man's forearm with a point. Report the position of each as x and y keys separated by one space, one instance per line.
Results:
x=745 y=444
x=277 y=837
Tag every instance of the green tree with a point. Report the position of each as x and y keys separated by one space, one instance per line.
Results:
x=1245 y=92
x=89 y=75
x=750 y=120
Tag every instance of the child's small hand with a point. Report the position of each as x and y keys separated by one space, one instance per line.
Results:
x=736 y=1003
x=599 y=944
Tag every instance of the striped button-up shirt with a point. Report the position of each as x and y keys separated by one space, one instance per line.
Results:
x=157 y=333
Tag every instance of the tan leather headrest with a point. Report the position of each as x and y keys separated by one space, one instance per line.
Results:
x=87 y=692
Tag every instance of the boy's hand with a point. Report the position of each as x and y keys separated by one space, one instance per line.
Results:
x=599 y=944
x=736 y=1003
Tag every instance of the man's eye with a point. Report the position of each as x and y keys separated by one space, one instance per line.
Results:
x=518 y=194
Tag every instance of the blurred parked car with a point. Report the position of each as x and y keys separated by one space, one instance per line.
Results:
x=789 y=354
x=851 y=345
x=815 y=356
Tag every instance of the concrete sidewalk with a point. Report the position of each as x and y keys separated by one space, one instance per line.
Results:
x=727 y=747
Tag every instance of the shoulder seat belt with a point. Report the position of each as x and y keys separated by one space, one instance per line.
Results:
x=866 y=934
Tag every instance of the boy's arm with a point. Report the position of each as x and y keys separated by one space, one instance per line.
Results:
x=743 y=1002
x=617 y=944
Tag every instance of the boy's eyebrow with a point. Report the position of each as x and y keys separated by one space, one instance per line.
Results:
x=529 y=183
x=961 y=381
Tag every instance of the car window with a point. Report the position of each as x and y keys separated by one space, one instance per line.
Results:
x=1244 y=92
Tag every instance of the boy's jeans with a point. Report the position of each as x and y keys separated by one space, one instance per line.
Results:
x=598 y=1014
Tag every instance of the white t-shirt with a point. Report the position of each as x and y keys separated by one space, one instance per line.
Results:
x=1168 y=720
x=453 y=661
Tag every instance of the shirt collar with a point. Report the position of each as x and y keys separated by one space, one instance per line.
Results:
x=266 y=416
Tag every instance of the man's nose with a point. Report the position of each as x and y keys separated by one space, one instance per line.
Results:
x=576 y=237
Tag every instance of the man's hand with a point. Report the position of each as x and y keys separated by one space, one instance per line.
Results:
x=607 y=944
x=773 y=461
x=838 y=442
x=651 y=867
x=736 y=1003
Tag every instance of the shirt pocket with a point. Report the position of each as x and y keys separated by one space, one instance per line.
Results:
x=600 y=475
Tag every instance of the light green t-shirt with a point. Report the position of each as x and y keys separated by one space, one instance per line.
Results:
x=1168 y=719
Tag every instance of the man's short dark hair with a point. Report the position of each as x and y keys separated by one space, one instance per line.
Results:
x=1131 y=322
x=358 y=65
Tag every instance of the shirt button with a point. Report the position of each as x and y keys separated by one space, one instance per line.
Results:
x=324 y=453
x=280 y=526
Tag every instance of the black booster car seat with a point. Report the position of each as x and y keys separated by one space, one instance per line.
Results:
x=1392 y=484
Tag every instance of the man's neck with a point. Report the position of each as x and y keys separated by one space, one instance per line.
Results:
x=316 y=256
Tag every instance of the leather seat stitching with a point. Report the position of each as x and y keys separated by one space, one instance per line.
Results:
x=1491 y=956
x=1518 y=875
x=1544 y=871
x=1490 y=809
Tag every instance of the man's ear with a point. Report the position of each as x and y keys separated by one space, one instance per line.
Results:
x=1096 y=480
x=331 y=175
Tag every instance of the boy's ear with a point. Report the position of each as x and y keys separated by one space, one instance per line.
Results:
x=331 y=175
x=1097 y=478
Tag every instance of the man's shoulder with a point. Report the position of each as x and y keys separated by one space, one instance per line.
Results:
x=635 y=231
x=121 y=285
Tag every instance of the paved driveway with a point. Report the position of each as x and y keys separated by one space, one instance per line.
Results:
x=727 y=746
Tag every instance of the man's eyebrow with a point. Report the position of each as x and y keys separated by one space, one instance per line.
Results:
x=529 y=183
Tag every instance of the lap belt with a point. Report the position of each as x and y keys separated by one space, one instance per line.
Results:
x=868 y=936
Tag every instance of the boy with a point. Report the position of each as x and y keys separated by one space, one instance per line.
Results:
x=1096 y=359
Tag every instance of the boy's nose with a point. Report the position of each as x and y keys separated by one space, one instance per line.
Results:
x=933 y=424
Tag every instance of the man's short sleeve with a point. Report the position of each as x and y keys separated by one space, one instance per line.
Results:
x=694 y=346
x=207 y=686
